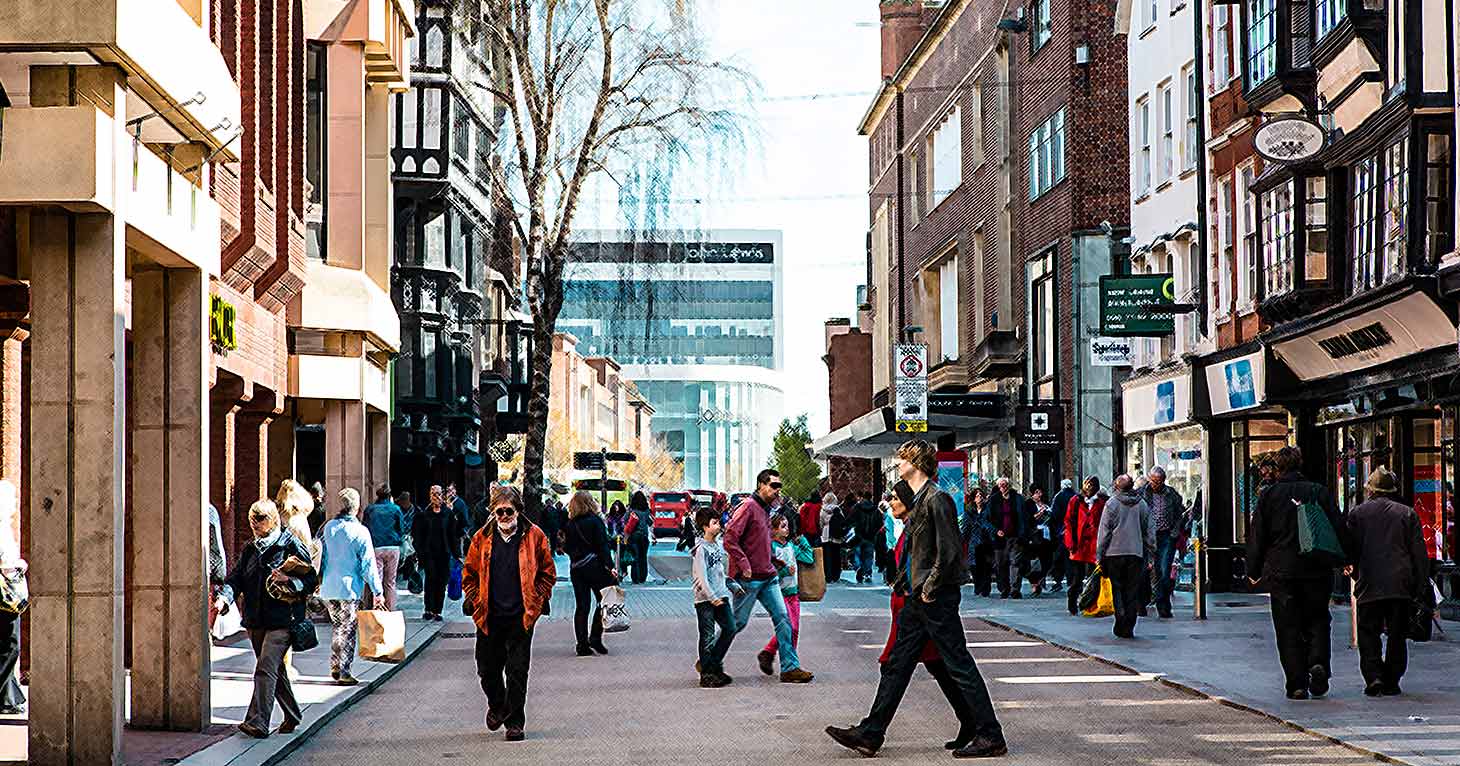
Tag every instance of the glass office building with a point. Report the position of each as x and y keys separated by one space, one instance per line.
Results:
x=694 y=318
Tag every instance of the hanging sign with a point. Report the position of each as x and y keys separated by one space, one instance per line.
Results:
x=222 y=319
x=1112 y=352
x=910 y=368
x=1126 y=305
x=1290 y=139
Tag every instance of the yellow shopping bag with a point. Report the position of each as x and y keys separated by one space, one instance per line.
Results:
x=1105 y=606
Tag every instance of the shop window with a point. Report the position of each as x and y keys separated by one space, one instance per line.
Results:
x=1277 y=240
x=1179 y=451
x=1254 y=442
x=1315 y=226
x=1432 y=482
x=1380 y=198
x=1247 y=243
x=1328 y=13
x=1357 y=449
x=1439 y=196
x=1043 y=330
x=1135 y=455
x=1261 y=41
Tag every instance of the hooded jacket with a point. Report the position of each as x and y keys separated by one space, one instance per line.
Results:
x=1126 y=528
x=534 y=566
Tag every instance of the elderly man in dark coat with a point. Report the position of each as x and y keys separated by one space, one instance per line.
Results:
x=1387 y=547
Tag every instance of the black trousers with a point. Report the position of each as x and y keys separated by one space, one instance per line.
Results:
x=10 y=691
x=939 y=671
x=918 y=623
x=586 y=589
x=639 y=570
x=1077 y=571
x=438 y=572
x=503 y=656
x=1126 y=574
x=1059 y=563
x=831 y=557
x=1008 y=558
x=717 y=630
x=1384 y=664
x=1042 y=551
x=983 y=569
x=1301 y=622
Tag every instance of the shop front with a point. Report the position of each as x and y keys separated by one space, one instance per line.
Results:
x=1380 y=389
x=1160 y=430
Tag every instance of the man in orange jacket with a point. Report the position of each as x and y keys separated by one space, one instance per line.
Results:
x=506 y=579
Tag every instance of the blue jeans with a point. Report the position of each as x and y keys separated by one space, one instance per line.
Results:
x=866 y=556
x=714 y=643
x=1165 y=554
x=768 y=592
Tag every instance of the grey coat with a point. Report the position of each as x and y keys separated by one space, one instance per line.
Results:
x=1126 y=528
x=1387 y=547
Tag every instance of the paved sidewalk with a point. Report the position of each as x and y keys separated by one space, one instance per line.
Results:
x=232 y=686
x=1232 y=657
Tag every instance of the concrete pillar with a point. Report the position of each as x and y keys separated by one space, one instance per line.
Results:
x=379 y=452
x=76 y=494
x=345 y=459
x=12 y=391
x=170 y=649
x=251 y=462
x=222 y=446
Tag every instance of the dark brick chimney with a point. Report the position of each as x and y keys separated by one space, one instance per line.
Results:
x=903 y=25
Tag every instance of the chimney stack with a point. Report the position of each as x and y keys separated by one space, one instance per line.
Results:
x=903 y=24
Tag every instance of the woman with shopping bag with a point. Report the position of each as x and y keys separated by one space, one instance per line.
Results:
x=507 y=579
x=590 y=554
x=347 y=568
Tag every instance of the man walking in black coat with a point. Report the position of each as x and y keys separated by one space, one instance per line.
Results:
x=1387 y=547
x=1005 y=513
x=1300 y=585
x=1061 y=504
x=931 y=573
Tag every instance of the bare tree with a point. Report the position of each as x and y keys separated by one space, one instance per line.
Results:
x=588 y=87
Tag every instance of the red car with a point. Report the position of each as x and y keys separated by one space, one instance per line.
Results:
x=668 y=509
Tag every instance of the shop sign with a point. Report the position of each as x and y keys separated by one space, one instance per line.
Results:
x=1040 y=427
x=1290 y=139
x=910 y=381
x=1112 y=352
x=1237 y=384
x=969 y=405
x=1126 y=301
x=1407 y=326
x=222 y=321
x=1156 y=405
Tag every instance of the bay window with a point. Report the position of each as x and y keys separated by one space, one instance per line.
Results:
x=1277 y=240
x=1261 y=41
x=1439 y=196
x=1315 y=228
x=1380 y=199
x=1327 y=15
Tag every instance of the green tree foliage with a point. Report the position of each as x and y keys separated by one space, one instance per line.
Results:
x=799 y=473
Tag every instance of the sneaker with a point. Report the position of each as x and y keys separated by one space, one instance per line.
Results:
x=764 y=659
x=1318 y=680
x=515 y=734
x=982 y=747
x=494 y=720
x=345 y=679
x=714 y=680
x=852 y=738
x=796 y=676
x=427 y=617
x=958 y=742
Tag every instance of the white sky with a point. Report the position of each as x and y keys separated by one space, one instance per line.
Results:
x=806 y=172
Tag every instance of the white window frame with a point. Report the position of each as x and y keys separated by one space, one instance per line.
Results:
x=1043 y=27
x=1047 y=154
x=1153 y=8
x=1143 y=157
x=1226 y=228
x=1246 y=244
x=1166 y=151
x=1222 y=69
x=1190 y=141
x=948 y=335
x=945 y=158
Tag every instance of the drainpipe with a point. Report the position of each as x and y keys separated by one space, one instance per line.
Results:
x=1199 y=68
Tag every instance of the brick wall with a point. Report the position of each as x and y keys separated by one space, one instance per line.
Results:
x=849 y=376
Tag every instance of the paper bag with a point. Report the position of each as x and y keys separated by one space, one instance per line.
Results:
x=382 y=635
x=811 y=579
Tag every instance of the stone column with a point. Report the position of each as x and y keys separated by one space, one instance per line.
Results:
x=280 y=452
x=251 y=458
x=379 y=452
x=345 y=459
x=76 y=494
x=224 y=402
x=170 y=648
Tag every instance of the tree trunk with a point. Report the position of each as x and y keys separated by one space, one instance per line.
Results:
x=549 y=303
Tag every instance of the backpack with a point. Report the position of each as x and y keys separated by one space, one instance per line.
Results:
x=1317 y=539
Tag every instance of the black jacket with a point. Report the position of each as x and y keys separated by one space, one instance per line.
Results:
x=867 y=520
x=993 y=511
x=1057 y=516
x=585 y=538
x=433 y=532
x=247 y=581
x=1272 y=534
x=932 y=546
x=1387 y=547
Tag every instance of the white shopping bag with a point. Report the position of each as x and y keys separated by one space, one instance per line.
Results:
x=615 y=615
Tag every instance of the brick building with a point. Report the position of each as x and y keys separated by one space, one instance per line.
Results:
x=995 y=158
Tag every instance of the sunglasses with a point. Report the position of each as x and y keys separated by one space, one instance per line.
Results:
x=504 y=511
x=775 y=485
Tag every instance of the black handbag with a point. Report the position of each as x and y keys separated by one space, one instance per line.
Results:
x=1090 y=594
x=302 y=637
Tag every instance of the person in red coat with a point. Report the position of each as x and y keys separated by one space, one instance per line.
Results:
x=810 y=518
x=901 y=503
x=1082 y=527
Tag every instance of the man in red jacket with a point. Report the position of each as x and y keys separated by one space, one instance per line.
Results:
x=752 y=573
x=1082 y=527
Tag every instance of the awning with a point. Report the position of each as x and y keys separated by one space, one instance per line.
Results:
x=874 y=437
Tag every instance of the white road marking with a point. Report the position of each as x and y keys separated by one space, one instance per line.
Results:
x=1136 y=678
x=1024 y=660
x=1001 y=644
x=1265 y=736
x=856 y=632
